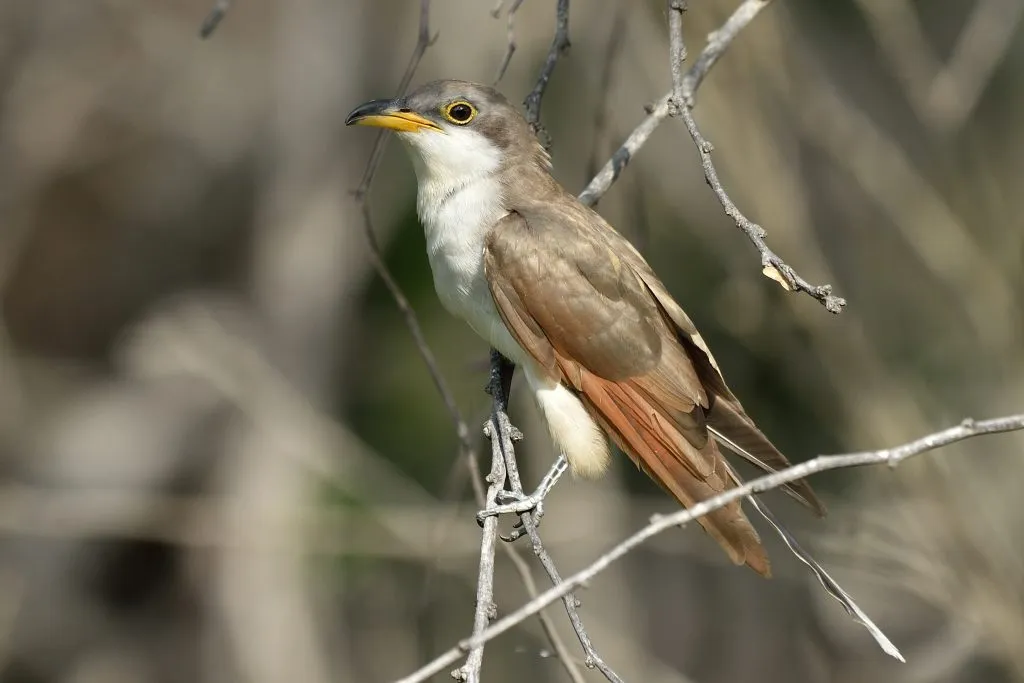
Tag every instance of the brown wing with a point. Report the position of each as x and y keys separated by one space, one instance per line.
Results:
x=726 y=416
x=591 y=322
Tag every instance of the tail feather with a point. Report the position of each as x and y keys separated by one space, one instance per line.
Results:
x=668 y=458
x=739 y=433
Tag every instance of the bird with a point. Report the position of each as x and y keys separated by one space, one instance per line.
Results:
x=607 y=353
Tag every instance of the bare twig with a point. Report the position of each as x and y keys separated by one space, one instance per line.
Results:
x=510 y=48
x=677 y=55
x=528 y=522
x=771 y=264
x=486 y=610
x=557 y=644
x=830 y=585
x=209 y=25
x=559 y=45
x=593 y=659
x=611 y=54
x=681 y=105
x=682 y=97
x=717 y=44
x=423 y=41
x=613 y=168
x=891 y=456
x=679 y=102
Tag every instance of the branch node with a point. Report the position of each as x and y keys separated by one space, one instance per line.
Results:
x=675 y=106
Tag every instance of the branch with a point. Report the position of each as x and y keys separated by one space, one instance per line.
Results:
x=499 y=432
x=772 y=264
x=677 y=55
x=679 y=101
x=217 y=12
x=559 y=45
x=891 y=456
x=510 y=31
x=423 y=41
x=529 y=519
x=613 y=168
x=681 y=105
x=361 y=193
x=611 y=54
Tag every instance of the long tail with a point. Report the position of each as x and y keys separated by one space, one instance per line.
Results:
x=659 y=449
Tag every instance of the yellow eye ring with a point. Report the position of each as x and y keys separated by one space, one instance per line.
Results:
x=459 y=112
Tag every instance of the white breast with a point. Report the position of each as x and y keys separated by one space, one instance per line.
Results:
x=459 y=200
x=456 y=223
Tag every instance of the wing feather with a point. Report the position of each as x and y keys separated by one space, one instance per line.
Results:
x=589 y=320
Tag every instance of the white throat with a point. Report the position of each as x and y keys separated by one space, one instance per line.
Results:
x=459 y=199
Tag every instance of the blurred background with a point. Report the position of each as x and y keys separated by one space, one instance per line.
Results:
x=224 y=460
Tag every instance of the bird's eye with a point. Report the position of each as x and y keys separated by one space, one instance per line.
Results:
x=459 y=112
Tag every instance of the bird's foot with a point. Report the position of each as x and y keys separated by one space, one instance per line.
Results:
x=518 y=503
x=515 y=503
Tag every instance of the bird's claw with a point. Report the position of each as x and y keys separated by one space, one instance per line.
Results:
x=513 y=503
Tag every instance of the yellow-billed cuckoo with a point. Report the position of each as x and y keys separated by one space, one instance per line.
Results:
x=605 y=349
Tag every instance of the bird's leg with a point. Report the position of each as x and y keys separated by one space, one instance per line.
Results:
x=513 y=500
x=517 y=502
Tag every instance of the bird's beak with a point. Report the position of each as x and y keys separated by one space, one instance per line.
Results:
x=389 y=114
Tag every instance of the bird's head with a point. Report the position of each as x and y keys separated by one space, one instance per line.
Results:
x=456 y=129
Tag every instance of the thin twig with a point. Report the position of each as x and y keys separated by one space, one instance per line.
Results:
x=217 y=12
x=523 y=569
x=771 y=264
x=486 y=610
x=571 y=602
x=677 y=55
x=501 y=433
x=611 y=54
x=717 y=44
x=684 y=87
x=681 y=105
x=529 y=523
x=891 y=456
x=510 y=30
x=423 y=41
x=559 y=45
x=613 y=168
